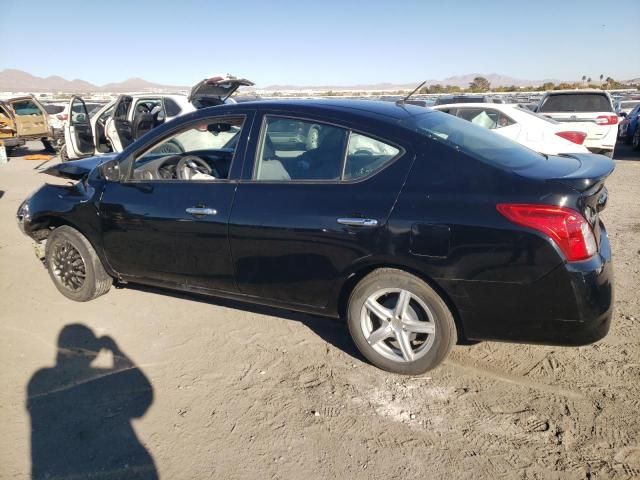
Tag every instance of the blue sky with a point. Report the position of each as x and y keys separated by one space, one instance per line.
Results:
x=320 y=42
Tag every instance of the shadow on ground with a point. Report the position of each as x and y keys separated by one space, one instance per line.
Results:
x=81 y=414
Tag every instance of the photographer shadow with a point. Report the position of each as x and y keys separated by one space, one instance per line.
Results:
x=81 y=414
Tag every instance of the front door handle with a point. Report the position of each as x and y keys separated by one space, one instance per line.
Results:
x=358 y=222
x=201 y=211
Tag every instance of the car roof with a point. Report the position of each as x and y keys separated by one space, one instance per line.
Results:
x=378 y=109
x=475 y=105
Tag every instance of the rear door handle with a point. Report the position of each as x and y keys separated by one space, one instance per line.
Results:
x=358 y=222
x=201 y=211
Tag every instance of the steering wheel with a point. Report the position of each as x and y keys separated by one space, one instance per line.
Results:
x=190 y=165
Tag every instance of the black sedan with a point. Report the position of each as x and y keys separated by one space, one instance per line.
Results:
x=419 y=228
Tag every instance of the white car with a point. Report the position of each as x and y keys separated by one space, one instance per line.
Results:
x=523 y=126
x=119 y=123
x=592 y=108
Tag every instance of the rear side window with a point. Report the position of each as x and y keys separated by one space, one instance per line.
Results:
x=25 y=107
x=577 y=102
x=485 y=117
x=123 y=108
x=475 y=141
x=298 y=150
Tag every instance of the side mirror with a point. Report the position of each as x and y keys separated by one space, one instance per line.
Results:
x=110 y=171
x=622 y=114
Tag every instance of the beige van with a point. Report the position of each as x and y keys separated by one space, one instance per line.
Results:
x=22 y=119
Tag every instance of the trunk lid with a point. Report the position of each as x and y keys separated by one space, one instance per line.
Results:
x=215 y=90
x=77 y=169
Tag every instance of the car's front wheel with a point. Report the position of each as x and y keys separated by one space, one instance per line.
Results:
x=636 y=139
x=74 y=266
x=399 y=323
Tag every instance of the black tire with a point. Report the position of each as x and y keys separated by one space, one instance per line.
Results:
x=96 y=280
x=608 y=153
x=627 y=138
x=636 y=139
x=388 y=278
x=64 y=156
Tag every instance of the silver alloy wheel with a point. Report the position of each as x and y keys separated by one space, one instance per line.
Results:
x=398 y=325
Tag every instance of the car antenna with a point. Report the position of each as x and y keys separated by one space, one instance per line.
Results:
x=404 y=100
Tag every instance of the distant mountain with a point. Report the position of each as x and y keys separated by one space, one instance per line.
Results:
x=495 y=79
x=12 y=80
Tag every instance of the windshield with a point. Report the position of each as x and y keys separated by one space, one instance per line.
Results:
x=577 y=102
x=474 y=140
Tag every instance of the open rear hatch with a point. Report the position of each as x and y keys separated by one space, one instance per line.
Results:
x=215 y=90
x=583 y=172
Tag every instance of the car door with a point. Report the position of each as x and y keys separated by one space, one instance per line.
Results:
x=295 y=229
x=78 y=134
x=7 y=123
x=30 y=117
x=170 y=231
x=118 y=129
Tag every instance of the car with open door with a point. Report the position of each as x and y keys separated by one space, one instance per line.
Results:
x=24 y=118
x=417 y=227
x=122 y=121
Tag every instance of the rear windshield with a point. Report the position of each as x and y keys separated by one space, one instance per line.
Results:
x=475 y=141
x=541 y=117
x=53 y=109
x=577 y=102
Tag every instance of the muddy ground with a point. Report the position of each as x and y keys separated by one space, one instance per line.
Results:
x=202 y=388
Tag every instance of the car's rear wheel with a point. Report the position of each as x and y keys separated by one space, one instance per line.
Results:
x=74 y=266
x=636 y=139
x=399 y=323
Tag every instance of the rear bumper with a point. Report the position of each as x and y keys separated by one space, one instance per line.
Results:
x=572 y=305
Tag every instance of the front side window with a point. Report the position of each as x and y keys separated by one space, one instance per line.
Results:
x=201 y=152
x=122 y=108
x=298 y=150
x=25 y=107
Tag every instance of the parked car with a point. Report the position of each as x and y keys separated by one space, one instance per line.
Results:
x=119 y=123
x=416 y=226
x=629 y=129
x=624 y=107
x=590 y=107
x=534 y=131
x=446 y=100
x=22 y=119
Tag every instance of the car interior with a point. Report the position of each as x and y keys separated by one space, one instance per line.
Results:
x=203 y=152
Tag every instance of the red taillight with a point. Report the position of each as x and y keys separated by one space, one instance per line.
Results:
x=607 y=120
x=575 y=137
x=62 y=116
x=566 y=227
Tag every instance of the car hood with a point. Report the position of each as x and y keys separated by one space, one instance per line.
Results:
x=77 y=169
x=218 y=87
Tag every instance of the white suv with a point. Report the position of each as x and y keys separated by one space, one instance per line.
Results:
x=592 y=109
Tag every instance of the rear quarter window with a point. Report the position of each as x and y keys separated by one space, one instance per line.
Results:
x=577 y=102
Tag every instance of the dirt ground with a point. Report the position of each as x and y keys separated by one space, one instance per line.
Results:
x=193 y=388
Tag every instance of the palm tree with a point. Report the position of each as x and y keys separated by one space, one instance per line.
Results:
x=589 y=80
x=584 y=78
x=601 y=77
